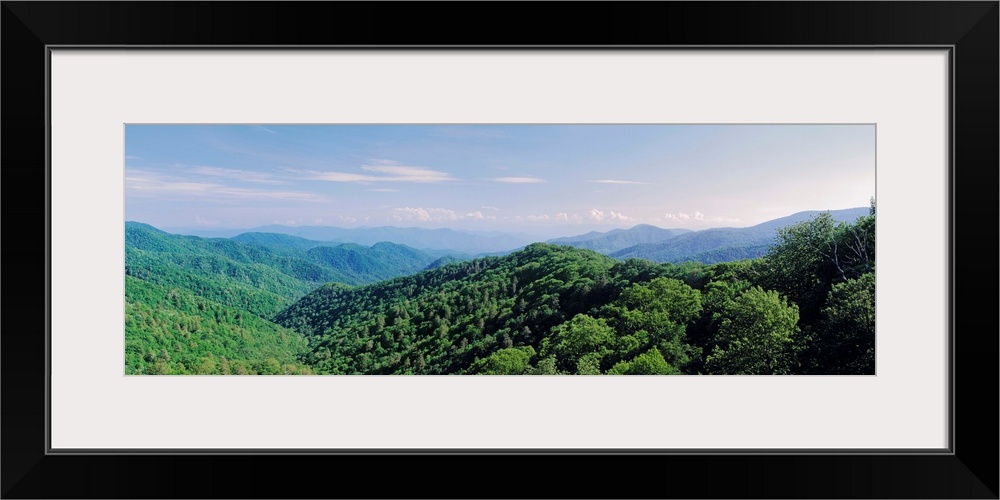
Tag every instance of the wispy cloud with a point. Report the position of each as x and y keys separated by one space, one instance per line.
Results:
x=151 y=184
x=518 y=180
x=612 y=216
x=235 y=174
x=383 y=190
x=616 y=181
x=424 y=214
x=479 y=215
x=379 y=171
x=264 y=129
x=685 y=218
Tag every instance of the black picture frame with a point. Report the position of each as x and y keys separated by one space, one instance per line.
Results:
x=970 y=29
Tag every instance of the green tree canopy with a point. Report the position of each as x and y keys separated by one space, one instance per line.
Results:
x=650 y=362
x=756 y=335
x=509 y=361
x=579 y=337
x=845 y=338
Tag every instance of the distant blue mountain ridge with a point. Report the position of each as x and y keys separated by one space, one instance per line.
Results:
x=725 y=244
x=641 y=241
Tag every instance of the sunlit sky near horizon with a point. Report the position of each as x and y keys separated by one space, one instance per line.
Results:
x=552 y=180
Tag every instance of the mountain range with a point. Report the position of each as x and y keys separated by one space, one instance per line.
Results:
x=268 y=303
x=451 y=240
x=725 y=244
x=641 y=241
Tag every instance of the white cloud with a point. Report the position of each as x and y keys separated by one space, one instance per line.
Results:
x=478 y=215
x=612 y=216
x=153 y=185
x=565 y=217
x=383 y=190
x=235 y=174
x=380 y=171
x=615 y=181
x=484 y=207
x=518 y=180
x=535 y=218
x=424 y=214
x=621 y=217
x=684 y=218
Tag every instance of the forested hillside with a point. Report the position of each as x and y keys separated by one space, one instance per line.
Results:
x=172 y=331
x=203 y=305
x=261 y=273
x=806 y=306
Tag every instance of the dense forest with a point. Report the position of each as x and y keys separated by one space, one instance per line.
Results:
x=258 y=305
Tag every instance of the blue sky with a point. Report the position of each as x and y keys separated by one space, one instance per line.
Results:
x=542 y=179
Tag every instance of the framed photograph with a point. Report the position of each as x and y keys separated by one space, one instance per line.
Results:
x=262 y=239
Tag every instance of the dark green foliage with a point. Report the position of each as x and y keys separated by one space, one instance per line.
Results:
x=845 y=337
x=261 y=273
x=171 y=331
x=379 y=262
x=452 y=314
x=580 y=311
x=811 y=256
x=281 y=242
x=443 y=261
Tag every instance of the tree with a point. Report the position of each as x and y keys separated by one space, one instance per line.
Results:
x=546 y=366
x=810 y=256
x=510 y=361
x=580 y=336
x=845 y=337
x=756 y=335
x=650 y=362
x=656 y=314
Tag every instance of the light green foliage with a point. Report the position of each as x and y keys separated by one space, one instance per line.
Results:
x=546 y=366
x=171 y=331
x=579 y=338
x=650 y=362
x=509 y=361
x=589 y=364
x=655 y=314
x=756 y=335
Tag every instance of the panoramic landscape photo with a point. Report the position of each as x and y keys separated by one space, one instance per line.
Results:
x=499 y=249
